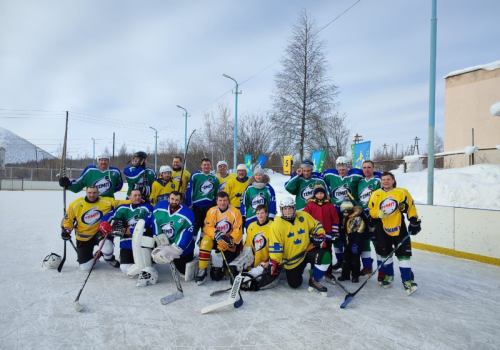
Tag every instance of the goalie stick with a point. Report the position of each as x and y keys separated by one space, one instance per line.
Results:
x=350 y=296
x=235 y=291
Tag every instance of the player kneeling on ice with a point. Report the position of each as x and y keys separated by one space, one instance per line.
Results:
x=389 y=203
x=352 y=235
x=84 y=215
x=124 y=219
x=296 y=240
x=222 y=232
x=173 y=226
x=253 y=262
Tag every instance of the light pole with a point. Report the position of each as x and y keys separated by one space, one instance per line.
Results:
x=156 y=148
x=432 y=107
x=185 y=130
x=93 y=151
x=235 y=122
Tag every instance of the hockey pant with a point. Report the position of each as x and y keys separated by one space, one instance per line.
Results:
x=320 y=259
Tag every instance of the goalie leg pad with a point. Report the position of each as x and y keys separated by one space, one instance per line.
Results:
x=217 y=260
x=244 y=260
x=142 y=256
x=191 y=270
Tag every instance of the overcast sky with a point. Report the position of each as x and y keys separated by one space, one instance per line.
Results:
x=122 y=66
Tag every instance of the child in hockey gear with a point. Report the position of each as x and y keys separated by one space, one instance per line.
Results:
x=291 y=240
x=352 y=232
x=389 y=204
x=322 y=210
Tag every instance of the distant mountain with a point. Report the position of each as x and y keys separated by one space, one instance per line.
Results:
x=18 y=150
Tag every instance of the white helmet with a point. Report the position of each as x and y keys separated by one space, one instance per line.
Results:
x=341 y=161
x=148 y=276
x=103 y=156
x=285 y=203
x=52 y=261
x=165 y=168
x=222 y=162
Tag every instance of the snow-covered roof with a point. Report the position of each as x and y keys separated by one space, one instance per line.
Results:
x=495 y=109
x=488 y=66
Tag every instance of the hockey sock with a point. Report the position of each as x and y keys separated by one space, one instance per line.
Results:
x=366 y=254
x=388 y=267
x=379 y=262
x=319 y=270
x=405 y=268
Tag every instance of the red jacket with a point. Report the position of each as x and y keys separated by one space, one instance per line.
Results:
x=326 y=214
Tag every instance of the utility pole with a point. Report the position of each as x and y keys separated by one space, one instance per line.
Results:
x=357 y=138
x=113 y=148
x=415 y=146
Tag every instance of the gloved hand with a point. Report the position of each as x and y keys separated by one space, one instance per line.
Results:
x=319 y=241
x=414 y=227
x=64 y=182
x=65 y=234
x=335 y=238
x=274 y=268
x=224 y=242
x=161 y=240
x=145 y=191
x=105 y=227
x=164 y=255
x=381 y=214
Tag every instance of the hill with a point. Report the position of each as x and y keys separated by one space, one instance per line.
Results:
x=18 y=150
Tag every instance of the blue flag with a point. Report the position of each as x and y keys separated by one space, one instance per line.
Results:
x=361 y=152
x=261 y=161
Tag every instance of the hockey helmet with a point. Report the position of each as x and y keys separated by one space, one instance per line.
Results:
x=52 y=261
x=222 y=162
x=341 y=161
x=287 y=202
x=165 y=168
x=216 y=273
x=346 y=207
x=103 y=156
x=148 y=276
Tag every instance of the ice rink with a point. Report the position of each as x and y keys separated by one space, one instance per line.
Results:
x=457 y=305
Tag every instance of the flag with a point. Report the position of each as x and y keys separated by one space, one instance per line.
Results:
x=248 y=164
x=360 y=153
x=318 y=158
x=287 y=165
x=261 y=161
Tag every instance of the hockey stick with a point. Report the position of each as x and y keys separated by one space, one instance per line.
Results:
x=63 y=171
x=350 y=296
x=180 y=293
x=235 y=290
x=238 y=302
x=185 y=154
x=76 y=304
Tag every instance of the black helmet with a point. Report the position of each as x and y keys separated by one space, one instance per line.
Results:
x=141 y=155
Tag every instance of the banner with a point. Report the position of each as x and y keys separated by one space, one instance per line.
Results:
x=360 y=153
x=260 y=162
x=318 y=158
x=287 y=165
x=248 y=164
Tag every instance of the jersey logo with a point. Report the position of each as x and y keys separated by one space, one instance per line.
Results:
x=103 y=185
x=133 y=221
x=307 y=192
x=224 y=226
x=168 y=229
x=364 y=196
x=222 y=187
x=92 y=216
x=207 y=186
x=301 y=219
x=257 y=200
x=297 y=241
x=340 y=193
x=389 y=206
x=259 y=241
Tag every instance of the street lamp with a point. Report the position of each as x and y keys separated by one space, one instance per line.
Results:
x=235 y=121
x=185 y=129
x=156 y=148
x=93 y=151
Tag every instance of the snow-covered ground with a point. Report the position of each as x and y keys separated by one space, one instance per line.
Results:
x=456 y=306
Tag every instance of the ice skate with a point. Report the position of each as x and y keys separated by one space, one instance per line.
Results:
x=317 y=288
x=365 y=271
x=330 y=278
x=201 y=277
x=381 y=276
x=387 y=282
x=337 y=268
x=410 y=287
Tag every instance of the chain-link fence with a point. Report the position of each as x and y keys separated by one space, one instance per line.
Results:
x=38 y=174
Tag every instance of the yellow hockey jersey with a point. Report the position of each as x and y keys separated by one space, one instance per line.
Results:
x=388 y=203
x=290 y=241
x=85 y=217
x=223 y=181
x=258 y=240
x=236 y=189
x=160 y=191
x=185 y=178
x=228 y=222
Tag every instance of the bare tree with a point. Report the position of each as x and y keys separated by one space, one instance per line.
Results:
x=333 y=135
x=254 y=134
x=303 y=94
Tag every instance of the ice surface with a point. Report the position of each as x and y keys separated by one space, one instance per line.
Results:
x=456 y=307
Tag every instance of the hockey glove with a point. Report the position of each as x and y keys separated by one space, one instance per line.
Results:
x=381 y=214
x=335 y=238
x=224 y=242
x=274 y=268
x=66 y=234
x=161 y=240
x=319 y=241
x=64 y=182
x=105 y=227
x=414 y=225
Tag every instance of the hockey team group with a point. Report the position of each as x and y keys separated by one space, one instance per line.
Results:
x=233 y=218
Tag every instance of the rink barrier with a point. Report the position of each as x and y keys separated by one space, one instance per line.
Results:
x=456 y=253
x=9 y=185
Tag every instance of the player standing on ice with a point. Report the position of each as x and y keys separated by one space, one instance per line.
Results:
x=223 y=175
x=323 y=211
x=389 y=203
x=108 y=180
x=124 y=218
x=173 y=227
x=341 y=181
x=163 y=186
x=297 y=239
x=302 y=183
x=140 y=177
x=259 y=191
x=236 y=187
x=177 y=166
x=223 y=232
x=84 y=215
x=200 y=194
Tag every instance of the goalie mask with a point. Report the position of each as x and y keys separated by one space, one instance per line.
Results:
x=52 y=261
x=148 y=276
